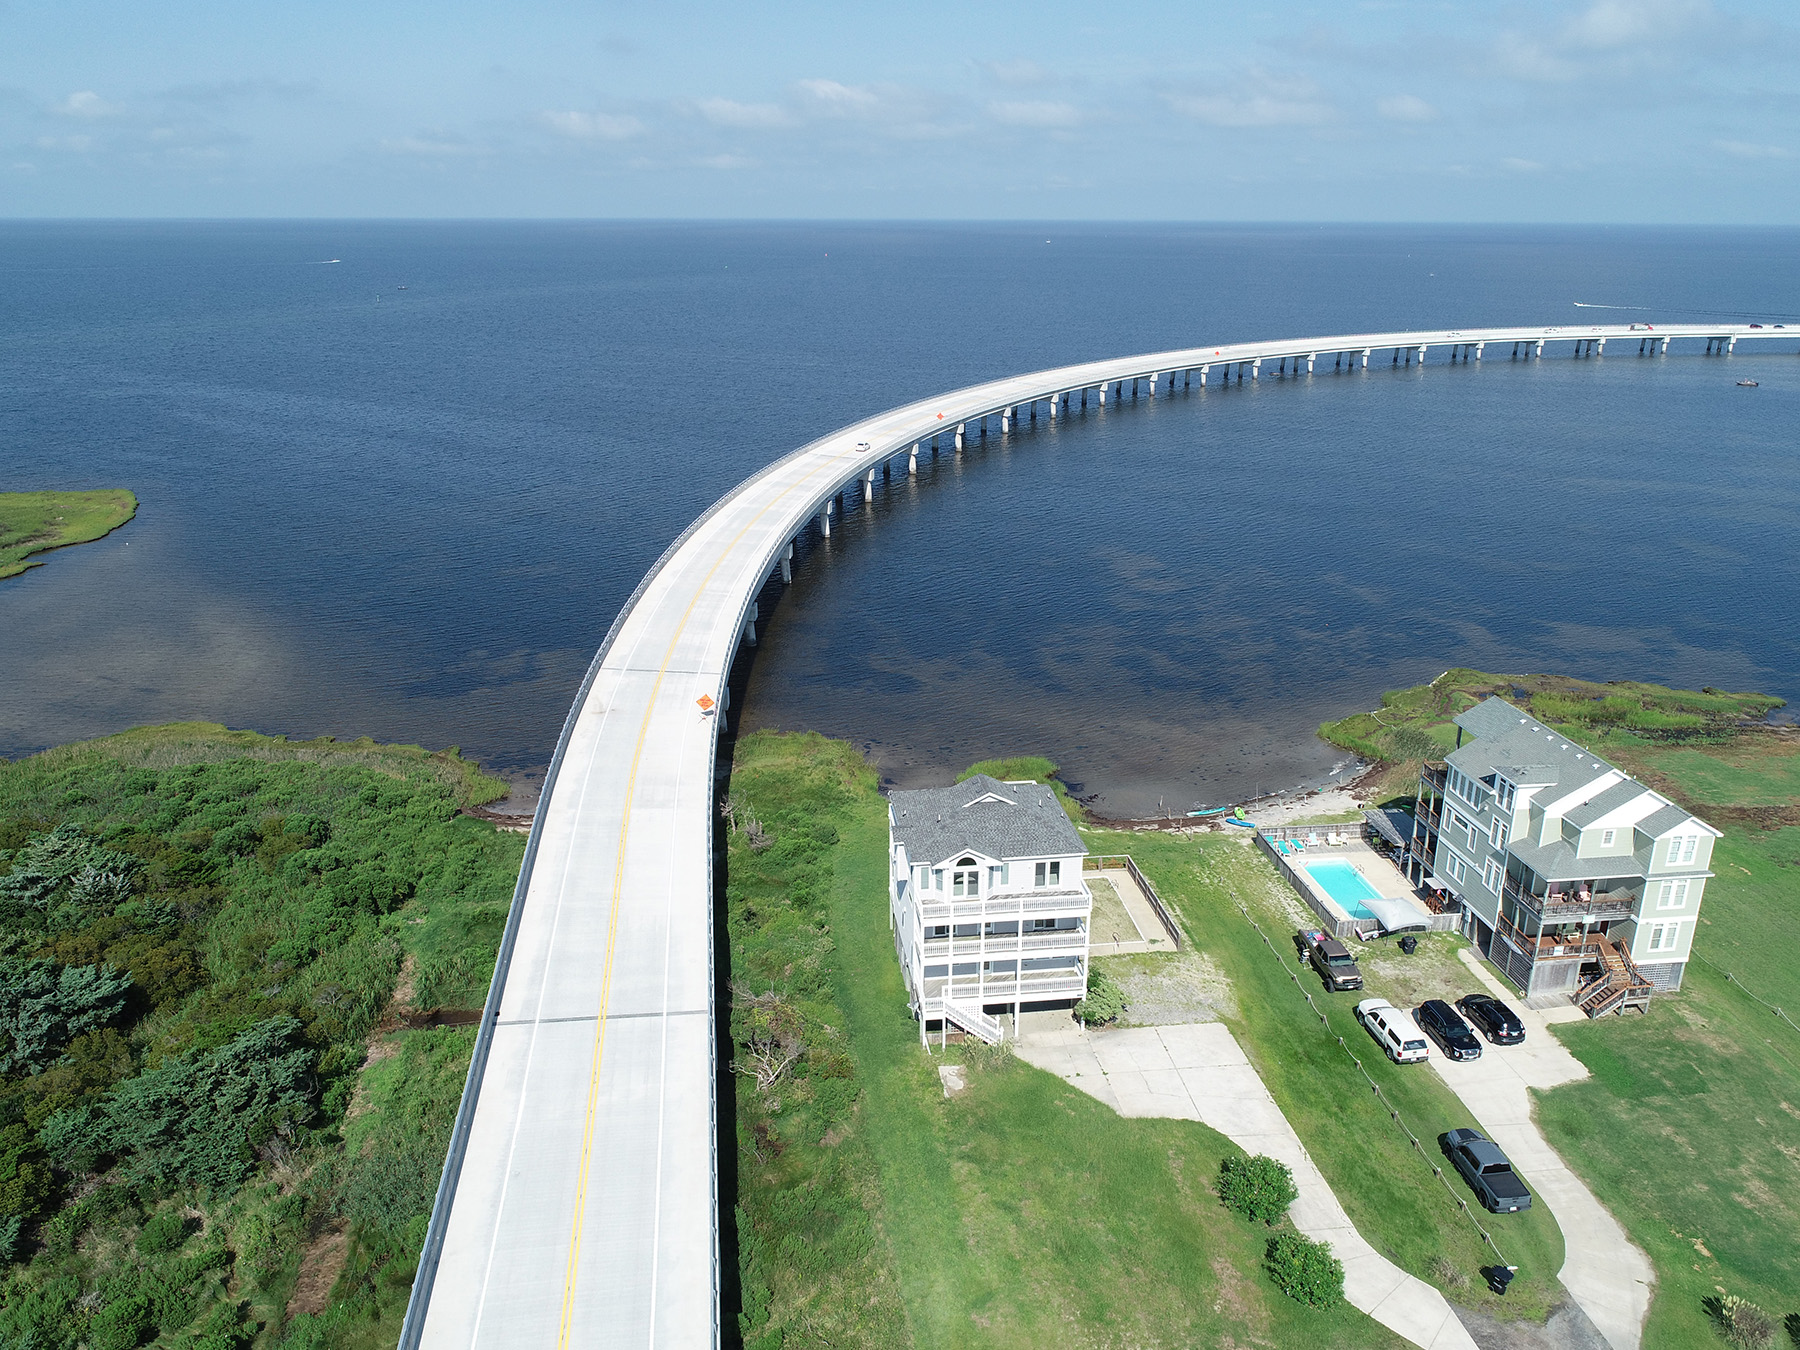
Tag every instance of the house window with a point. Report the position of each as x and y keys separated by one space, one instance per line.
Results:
x=1458 y=869
x=1673 y=895
x=939 y=930
x=1043 y=925
x=1038 y=876
x=966 y=881
x=1056 y=873
x=1681 y=848
x=1607 y=837
x=1504 y=794
x=1490 y=876
x=1665 y=937
x=1497 y=835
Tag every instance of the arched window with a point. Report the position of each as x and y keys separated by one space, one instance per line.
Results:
x=966 y=879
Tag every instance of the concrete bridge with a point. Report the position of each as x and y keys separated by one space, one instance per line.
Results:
x=580 y=1202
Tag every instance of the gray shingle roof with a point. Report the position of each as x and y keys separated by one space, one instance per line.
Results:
x=1025 y=822
x=1506 y=738
x=1619 y=794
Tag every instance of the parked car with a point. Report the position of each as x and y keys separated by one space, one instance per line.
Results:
x=1487 y=1171
x=1438 y=1020
x=1331 y=959
x=1398 y=1040
x=1492 y=1018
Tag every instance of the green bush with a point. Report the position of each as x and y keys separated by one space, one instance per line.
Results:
x=1305 y=1270
x=164 y=1231
x=1741 y=1322
x=1105 y=1001
x=1260 y=1188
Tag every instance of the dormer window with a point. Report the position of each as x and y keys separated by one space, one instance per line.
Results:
x=1505 y=793
x=1682 y=848
x=1607 y=837
x=965 y=879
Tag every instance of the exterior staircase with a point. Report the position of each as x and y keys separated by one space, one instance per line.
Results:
x=1618 y=986
x=972 y=1020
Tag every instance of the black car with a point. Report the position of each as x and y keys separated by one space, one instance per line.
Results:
x=1499 y=1023
x=1486 y=1169
x=1438 y=1020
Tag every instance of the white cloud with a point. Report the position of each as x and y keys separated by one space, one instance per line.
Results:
x=78 y=144
x=1748 y=150
x=727 y=162
x=1611 y=24
x=584 y=126
x=1517 y=165
x=1406 y=108
x=1251 y=110
x=840 y=97
x=432 y=146
x=1019 y=74
x=1035 y=113
x=86 y=104
x=725 y=112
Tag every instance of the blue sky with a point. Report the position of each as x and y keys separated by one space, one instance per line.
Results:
x=1610 y=110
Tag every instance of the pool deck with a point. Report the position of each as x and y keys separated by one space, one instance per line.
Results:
x=1381 y=874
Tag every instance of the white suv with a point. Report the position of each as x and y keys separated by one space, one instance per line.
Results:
x=1393 y=1032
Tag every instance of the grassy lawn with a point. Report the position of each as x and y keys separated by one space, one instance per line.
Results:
x=33 y=522
x=1386 y=1186
x=1020 y=1212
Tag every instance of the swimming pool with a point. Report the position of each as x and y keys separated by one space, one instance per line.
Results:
x=1344 y=882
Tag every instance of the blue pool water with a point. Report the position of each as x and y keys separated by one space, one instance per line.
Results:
x=1344 y=884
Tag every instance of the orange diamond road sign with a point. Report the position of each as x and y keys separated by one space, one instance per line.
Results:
x=705 y=702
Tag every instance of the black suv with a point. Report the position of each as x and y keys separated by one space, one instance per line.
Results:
x=1438 y=1020
x=1499 y=1023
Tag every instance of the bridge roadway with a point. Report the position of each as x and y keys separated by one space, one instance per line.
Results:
x=579 y=1205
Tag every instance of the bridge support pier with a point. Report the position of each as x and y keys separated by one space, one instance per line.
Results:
x=1665 y=347
x=1005 y=420
x=1731 y=344
x=869 y=486
x=960 y=428
x=1539 y=353
x=1366 y=351
x=1311 y=359
x=1255 y=369
x=750 y=624
x=1600 y=347
x=912 y=459
x=1103 y=395
x=825 y=521
x=1155 y=375
x=1203 y=370
x=1479 y=348
x=787 y=565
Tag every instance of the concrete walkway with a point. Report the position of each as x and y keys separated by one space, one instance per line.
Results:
x=1604 y=1272
x=1197 y=1072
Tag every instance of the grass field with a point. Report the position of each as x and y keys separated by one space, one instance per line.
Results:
x=1020 y=1212
x=1386 y=1186
x=1689 y=1129
x=1690 y=1126
x=34 y=522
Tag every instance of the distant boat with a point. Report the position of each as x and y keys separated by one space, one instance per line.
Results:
x=1746 y=384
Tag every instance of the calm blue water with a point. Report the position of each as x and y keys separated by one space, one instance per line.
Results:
x=1344 y=884
x=413 y=513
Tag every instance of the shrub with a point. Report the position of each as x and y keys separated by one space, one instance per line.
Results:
x=163 y=1232
x=1305 y=1270
x=1259 y=1188
x=1104 y=1001
x=1741 y=1322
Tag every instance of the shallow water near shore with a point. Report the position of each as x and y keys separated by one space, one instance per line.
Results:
x=412 y=513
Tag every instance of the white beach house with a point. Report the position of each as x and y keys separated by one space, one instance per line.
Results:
x=986 y=900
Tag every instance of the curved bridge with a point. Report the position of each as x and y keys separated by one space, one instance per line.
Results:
x=579 y=1204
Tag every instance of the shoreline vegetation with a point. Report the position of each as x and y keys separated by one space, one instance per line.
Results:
x=37 y=522
x=236 y=974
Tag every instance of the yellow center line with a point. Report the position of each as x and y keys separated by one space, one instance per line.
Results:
x=612 y=926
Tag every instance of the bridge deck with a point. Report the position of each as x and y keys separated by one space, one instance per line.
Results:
x=579 y=1205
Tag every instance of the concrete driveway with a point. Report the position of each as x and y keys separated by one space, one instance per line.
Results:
x=1603 y=1270
x=1198 y=1072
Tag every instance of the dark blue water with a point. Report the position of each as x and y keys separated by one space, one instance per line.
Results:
x=412 y=513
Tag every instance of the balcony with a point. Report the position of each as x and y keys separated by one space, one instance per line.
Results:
x=1569 y=903
x=1570 y=947
x=1004 y=988
x=1005 y=905
x=998 y=945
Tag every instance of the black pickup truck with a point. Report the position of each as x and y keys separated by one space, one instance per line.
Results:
x=1487 y=1170
x=1331 y=959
